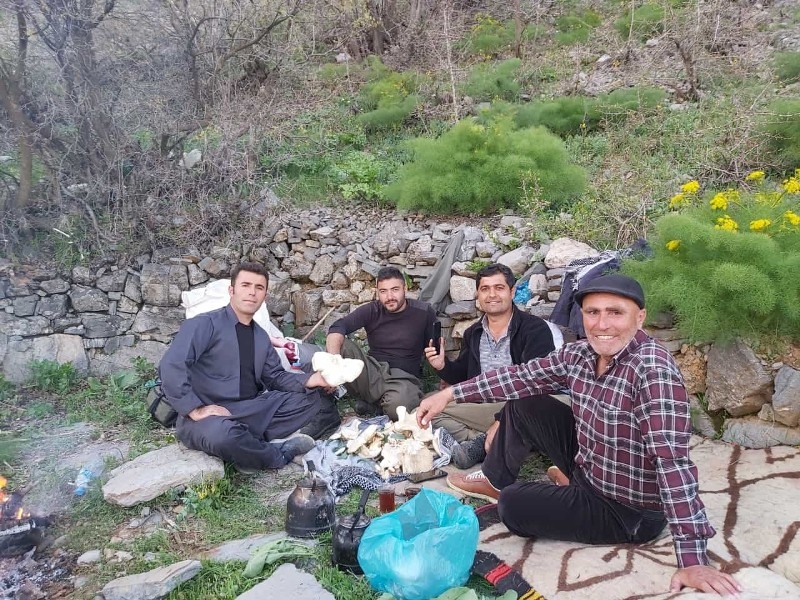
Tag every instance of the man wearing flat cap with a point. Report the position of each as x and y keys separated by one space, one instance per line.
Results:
x=620 y=448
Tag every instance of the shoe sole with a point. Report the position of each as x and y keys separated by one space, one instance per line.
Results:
x=491 y=499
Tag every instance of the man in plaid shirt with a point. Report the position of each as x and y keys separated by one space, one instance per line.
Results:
x=621 y=449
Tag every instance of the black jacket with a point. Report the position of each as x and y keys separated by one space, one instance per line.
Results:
x=530 y=338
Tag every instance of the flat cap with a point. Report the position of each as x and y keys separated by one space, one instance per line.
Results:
x=620 y=285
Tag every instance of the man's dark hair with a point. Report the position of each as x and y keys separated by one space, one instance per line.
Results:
x=250 y=267
x=494 y=269
x=390 y=273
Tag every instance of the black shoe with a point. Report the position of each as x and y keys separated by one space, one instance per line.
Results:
x=468 y=454
x=367 y=410
x=295 y=446
x=324 y=423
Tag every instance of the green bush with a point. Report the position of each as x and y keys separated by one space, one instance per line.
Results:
x=50 y=376
x=787 y=66
x=488 y=37
x=388 y=97
x=359 y=176
x=645 y=22
x=494 y=81
x=726 y=263
x=574 y=28
x=625 y=100
x=780 y=126
x=569 y=115
x=480 y=168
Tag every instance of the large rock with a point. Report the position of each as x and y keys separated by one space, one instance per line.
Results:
x=299 y=268
x=101 y=363
x=25 y=306
x=564 y=250
x=692 y=362
x=736 y=380
x=518 y=260
x=157 y=472
x=386 y=242
x=27 y=326
x=322 y=272
x=288 y=582
x=279 y=298
x=752 y=432
x=338 y=297
x=786 y=400
x=86 y=299
x=104 y=326
x=113 y=281
x=158 y=321
x=243 y=549
x=462 y=288
x=162 y=285
x=307 y=307
x=52 y=307
x=151 y=585
x=58 y=347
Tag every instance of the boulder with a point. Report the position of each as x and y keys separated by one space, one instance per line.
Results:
x=54 y=286
x=113 y=281
x=518 y=260
x=322 y=272
x=24 y=327
x=86 y=299
x=103 y=326
x=145 y=477
x=158 y=320
x=102 y=363
x=58 y=348
x=151 y=585
x=753 y=432
x=25 y=306
x=307 y=307
x=736 y=380
x=564 y=250
x=53 y=307
x=786 y=399
x=462 y=288
x=288 y=582
x=162 y=285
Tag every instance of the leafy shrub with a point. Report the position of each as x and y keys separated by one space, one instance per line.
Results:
x=781 y=128
x=359 y=176
x=479 y=168
x=113 y=400
x=488 y=37
x=725 y=263
x=494 y=81
x=646 y=21
x=563 y=116
x=50 y=376
x=787 y=66
x=574 y=28
x=625 y=100
x=388 y=98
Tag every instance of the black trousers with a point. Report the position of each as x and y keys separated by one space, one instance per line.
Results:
x=573 y=513
x=243 y=438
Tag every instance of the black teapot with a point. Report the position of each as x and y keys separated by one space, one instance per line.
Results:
x=310 y=508
x=347 y=536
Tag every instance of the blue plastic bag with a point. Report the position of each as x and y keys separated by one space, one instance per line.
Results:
x=523 y=293
x=422 y=549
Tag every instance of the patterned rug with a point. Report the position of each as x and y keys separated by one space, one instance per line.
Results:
x=753 y=501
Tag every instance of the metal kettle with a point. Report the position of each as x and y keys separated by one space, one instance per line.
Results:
x=310 y=508
x=347 y=536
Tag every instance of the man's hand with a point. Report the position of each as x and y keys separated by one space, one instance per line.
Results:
x=704 y=579
x=210 y=410
x=435 y=359
x=317 y=380
x=432 y=406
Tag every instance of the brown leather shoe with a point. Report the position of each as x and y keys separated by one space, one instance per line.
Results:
x=557 y=476
x=475 y=484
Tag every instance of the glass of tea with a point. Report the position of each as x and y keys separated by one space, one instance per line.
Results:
x=386 y=498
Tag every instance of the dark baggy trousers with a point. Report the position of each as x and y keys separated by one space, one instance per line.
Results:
x=573 y=513
x=243 y=438
x=381 y=384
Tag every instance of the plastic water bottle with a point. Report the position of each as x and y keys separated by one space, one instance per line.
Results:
x=87 y=473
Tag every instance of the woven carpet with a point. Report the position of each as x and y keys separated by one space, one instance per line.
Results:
x=753 y=501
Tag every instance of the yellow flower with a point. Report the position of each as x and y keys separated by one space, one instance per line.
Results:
x=727 y=224
x=691 y=187
x=719 y=201
x=793 y=218
x=673 y=245
x=792 y=185
x=755 y=176
x=677 y=200
x=760 y=224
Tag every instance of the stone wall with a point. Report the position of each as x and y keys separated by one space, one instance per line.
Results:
x=101 y=317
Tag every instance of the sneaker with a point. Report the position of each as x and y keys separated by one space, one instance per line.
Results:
x=443 y=442
x=469 y=453
x=557 y=476
x=295 y=446
x=246 y=470
x=324 y=423
x=475 y=484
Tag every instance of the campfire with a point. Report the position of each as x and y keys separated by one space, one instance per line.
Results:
x=19 y=531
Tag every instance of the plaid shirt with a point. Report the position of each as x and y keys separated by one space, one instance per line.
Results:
x=632 y=424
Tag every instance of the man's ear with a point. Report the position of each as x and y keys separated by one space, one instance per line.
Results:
x=230 y=291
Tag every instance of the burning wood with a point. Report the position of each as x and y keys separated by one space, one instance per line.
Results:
x=10 y=504
x=19 y=531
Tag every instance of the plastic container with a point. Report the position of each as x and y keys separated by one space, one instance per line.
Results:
x=87 y=473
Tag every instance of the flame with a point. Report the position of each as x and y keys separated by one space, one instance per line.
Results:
x=3 y=482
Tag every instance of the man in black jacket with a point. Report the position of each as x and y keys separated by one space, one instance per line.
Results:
x=504 y=336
